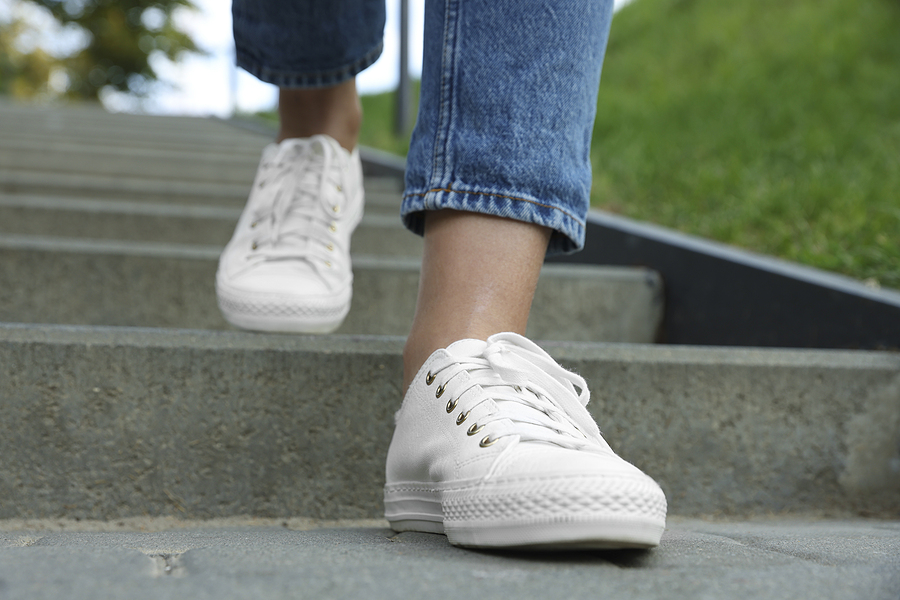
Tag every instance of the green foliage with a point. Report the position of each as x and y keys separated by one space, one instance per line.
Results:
x=121 y=36
x=22 y=75
x=773 y=125
x=378 y=121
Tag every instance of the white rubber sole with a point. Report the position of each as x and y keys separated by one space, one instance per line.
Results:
x=625 y=516
x=257 y=312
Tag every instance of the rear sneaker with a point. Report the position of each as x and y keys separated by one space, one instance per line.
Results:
x=287 y=266
x=494 y=448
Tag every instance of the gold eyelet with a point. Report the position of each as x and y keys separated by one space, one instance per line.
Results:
x=333 y=228
x=254 y=246
x=487 y=441
x=451 y=406
x=327 y=264
x=475 y=428
x=330 y=248
x=253 y=225
x=461 y=418
x=336 y=208
x=429 y=379
x=340 y=189
x=439 y=391
x=518 y=388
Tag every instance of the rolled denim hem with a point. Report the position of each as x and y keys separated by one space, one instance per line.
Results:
x=314 y=79
x=568 y=229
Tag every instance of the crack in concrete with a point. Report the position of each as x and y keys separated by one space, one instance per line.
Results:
x=168 y=565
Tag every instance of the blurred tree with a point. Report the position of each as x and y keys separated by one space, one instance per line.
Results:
x=22 y=75
x=119 y=37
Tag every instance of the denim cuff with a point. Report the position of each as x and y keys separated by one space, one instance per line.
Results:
x=312 y=79
x=568 y=229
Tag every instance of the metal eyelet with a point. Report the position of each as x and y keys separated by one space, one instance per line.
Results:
x=487 y=441
x=451 y=406
x=336 y=209
x=330 y=248
x=254 y=246
x=253 y=225
x=461 y=418
x=518 y=388
x=333 y=227
x=429 y=379
x=439 y=391
x=327 y=264
x=475 y=428
x=340 y=189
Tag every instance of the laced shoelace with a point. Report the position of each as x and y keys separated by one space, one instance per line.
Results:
x=305 y=199
x=536 y=399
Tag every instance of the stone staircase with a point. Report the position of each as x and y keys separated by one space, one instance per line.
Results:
x=123 y=392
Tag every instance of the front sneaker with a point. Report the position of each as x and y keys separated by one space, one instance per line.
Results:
x=494 y=447
x=287 y=266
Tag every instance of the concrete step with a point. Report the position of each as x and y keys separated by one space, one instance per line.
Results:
x=132 y=162
x=775 y=559
x=223 y=143
x=104 y=423
x=96 y=282
x=86 y=124
x=380 y=232
x=22 y=188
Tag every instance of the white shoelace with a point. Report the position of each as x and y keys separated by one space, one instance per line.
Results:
x=302 y=189
x=537 y=399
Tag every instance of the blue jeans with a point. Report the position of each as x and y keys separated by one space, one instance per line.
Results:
x=509 y=95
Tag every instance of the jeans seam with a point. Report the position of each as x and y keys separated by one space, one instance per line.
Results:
x=442 y=141
x=535 y=202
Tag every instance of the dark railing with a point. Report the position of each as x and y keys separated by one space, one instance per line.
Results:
x=404 y=87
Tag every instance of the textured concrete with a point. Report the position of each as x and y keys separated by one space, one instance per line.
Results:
x=105 y=423
x=78 y=192
x=79 y=282
x=134 y=162
x=58 y=128
x=380 y=232
x=772 y=559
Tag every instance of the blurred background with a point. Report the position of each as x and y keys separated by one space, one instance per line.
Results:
x=189 y=67
x=773 y=125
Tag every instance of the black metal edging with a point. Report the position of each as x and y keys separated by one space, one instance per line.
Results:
x=719 y=295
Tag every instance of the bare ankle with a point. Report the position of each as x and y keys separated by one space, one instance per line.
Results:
x=333 y=111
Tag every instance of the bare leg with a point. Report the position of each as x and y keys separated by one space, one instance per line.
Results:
x=334 y=111
x=478 y=278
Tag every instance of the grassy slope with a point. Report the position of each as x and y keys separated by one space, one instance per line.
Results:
x=772 y=124
x=378 y=122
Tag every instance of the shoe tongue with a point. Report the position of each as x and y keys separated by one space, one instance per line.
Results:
x=270 y=151
x=464 y=348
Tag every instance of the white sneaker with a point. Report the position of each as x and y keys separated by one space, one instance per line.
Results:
x=287 y=266
x=494 y=447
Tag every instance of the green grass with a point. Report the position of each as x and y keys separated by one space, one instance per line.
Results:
x=378 y=122
x=773 y=125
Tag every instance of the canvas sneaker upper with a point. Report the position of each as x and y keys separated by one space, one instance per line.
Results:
x=494 y=446
x=287 y=266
